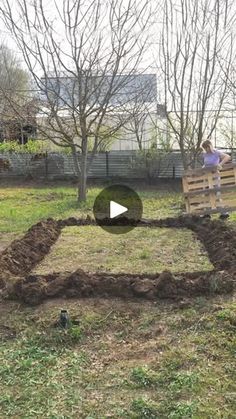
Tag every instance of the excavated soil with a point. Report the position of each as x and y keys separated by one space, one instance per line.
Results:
x=36 y=288
x=17 y=261
x=24 y=254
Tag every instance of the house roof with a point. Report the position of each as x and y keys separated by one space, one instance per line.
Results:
x=117 y=90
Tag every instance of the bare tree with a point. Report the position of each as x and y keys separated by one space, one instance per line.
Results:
x=133 y=121
x=227 y=129
x=196 y=50
x=138 y=118
x=82 y=57
x=13 y=78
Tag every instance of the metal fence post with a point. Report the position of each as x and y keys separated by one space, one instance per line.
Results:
x=107 y=163
x=46 y=165
x=173 y=172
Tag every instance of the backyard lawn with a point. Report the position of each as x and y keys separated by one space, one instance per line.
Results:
x=120 y=358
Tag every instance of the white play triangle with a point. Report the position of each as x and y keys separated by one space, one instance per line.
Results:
x=116 y=209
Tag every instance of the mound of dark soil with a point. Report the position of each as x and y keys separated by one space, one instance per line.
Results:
x=36 y=288
x=24 y=254
x=220 y=242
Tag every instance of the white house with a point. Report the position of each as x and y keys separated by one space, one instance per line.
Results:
x=132 y=106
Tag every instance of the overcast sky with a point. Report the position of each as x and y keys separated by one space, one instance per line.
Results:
x=50 y=10
x=150 y=60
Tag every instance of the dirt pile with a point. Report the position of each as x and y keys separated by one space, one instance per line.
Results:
x=220 y=242
x=178 y=222
x=36 y=288
x=23 y=255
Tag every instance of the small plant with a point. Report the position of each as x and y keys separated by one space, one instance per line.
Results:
x=224 y=314
x=144 y=254
x=186 y=380
x=183 y=410
x=143 y=377
x=75 y=333
x=227 y=315
x=145 y=409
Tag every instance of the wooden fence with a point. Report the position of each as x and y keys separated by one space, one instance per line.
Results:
x=210 y=190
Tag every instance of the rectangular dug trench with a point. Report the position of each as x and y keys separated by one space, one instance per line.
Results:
x=142 y=250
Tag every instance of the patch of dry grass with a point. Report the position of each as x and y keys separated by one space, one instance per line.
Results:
x=142 y=250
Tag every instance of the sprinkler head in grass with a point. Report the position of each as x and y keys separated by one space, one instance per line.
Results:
x=64 y=319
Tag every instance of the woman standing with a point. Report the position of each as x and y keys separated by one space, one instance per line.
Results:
x=213 y=157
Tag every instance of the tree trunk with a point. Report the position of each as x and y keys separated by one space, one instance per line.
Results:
x=77 y=167
x=82 y=192
x=82 y=187
x=75 y=161
x=183 y=153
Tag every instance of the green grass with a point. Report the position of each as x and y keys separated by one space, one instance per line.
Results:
x=20 y=207
x=125 y=359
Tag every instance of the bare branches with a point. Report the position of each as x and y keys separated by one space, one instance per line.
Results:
x=196 y=44
x=76 y=54
x=12 y=79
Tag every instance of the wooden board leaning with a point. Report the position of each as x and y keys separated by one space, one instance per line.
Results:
x=209 y=190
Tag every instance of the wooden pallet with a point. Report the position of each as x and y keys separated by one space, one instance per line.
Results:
x=209 y=190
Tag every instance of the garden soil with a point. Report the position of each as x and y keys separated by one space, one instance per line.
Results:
x=23 y=255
